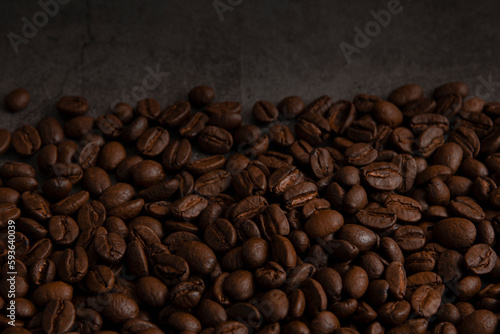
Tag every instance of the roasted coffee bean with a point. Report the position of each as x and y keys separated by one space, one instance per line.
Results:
x=312 y=128
x=265 y=112
x=340 y=116
x=79 y=126
x=449 y=105
x=153 y=141
x=50 y=131
x=429 y=140
x=383 y=175
x=467 y=139
x=135 y=129
x=72 y=266
x=215 y=140
x=362 y=130
x=149 y=108
x=95 y=180
x=70 y=204
x=72 y=105
x=201 y=95
x=387 y=113
x=193 y=125
x=123 y=111
x=291 y=106
x=26 y=140
x=110 y=125
x=281 y=135
x=480 y=259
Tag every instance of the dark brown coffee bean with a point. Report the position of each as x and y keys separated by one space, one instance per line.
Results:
x=135 y=129
x=480 y=259
x=63 y=230
x=429 y=140
x=388 y=114
x=355 y=282
x=321 y=163
x=215 y=140
x=395 y=275
x=175 y=114
x=301 y=151
x=281 y=135
x=220 y=235
x=193 y=125
x=96 y=180
x=313 y=128
x=456 y=233
x=149 y=108
x=466 y=207
x=123 y=111
x=362 y=130
x=79 y=126
x=406 y=94
x=220 y=107
x=199 y=256
x=110 y=247
x=291 y=106
x=110 y=125
x=323 y=223
x=383 y=175
x=147 y=173
x=152 y=291
x=376 y=218
x=458 y=87
x=100 y=279
x=153 y=141
x=70 y=204
x=213 y=183
x=26 y=140
x=360 y=154
x=320 y=105
x=201 y=95
x=188 y=207
x=467 y=139
x=58 y=316
x=265 y=112
x=248 y=208
x=72 y=105
x=50 y=131
x=340 y=116
x=73 y=265
x=46 y=158
x=299 y=194
x=118 y=307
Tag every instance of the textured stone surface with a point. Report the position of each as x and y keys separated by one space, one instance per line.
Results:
x=261 y=50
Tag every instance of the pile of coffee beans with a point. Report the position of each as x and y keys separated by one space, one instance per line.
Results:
x=363 y=216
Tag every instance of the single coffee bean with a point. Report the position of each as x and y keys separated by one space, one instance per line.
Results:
x=383 y=175
x=110 y=125
x=26 y=140
x=79 y=126
x=265 y=112
x=201 y=95
x=153 y=141
x=17 y=100
x=215 y=140
x=135 y=129
x=149 y=108
x=58 y=316
x=388 y=114
x=291 y=106
x=313 y=128
x=50 y=131
x=123 y=111
x=175 y=114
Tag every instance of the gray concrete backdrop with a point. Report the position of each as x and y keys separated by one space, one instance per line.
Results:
x=260 y=50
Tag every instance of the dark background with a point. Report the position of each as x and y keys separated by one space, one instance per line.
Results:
x=260 y=50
